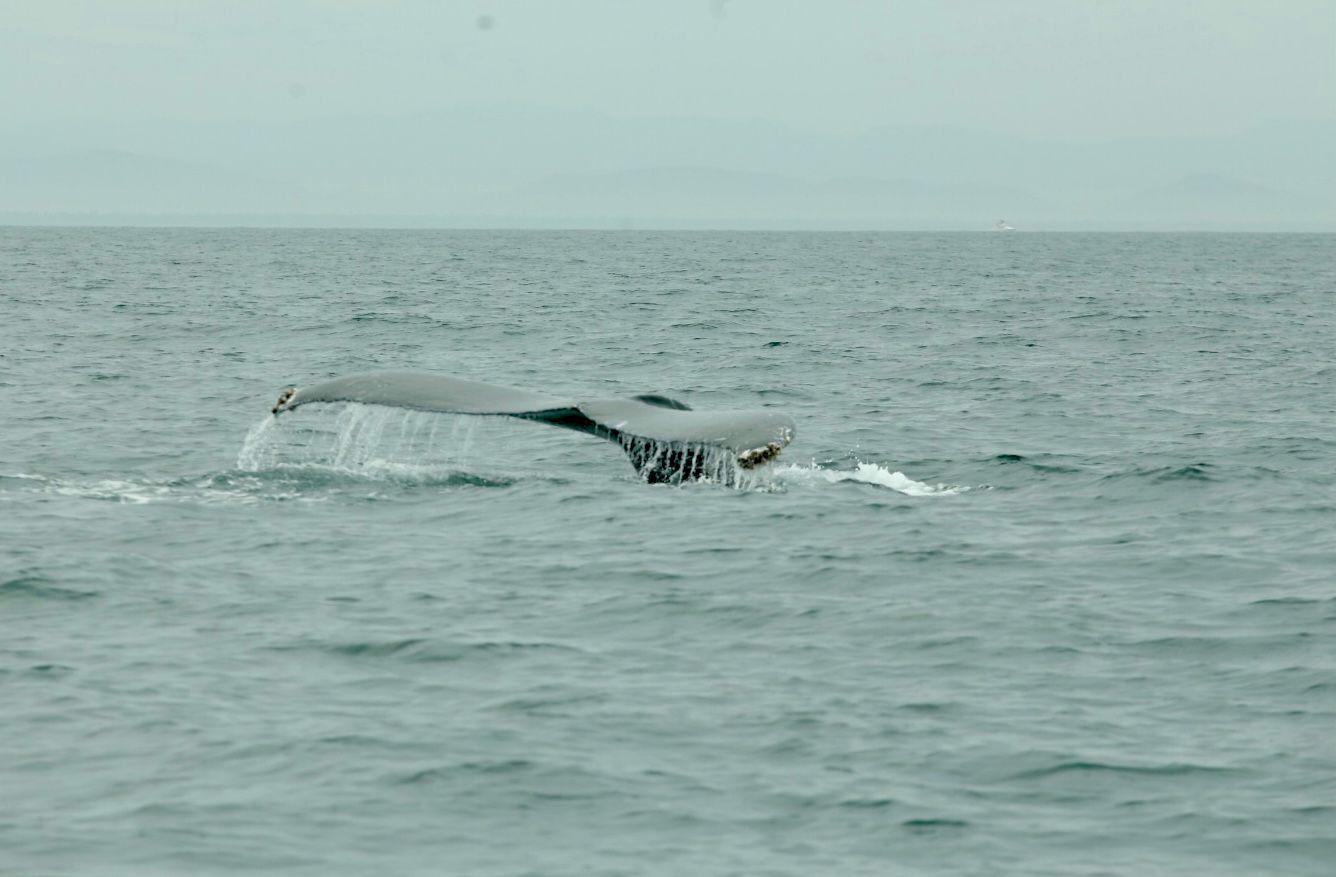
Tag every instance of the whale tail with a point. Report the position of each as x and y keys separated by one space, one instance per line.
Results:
x=665 y=439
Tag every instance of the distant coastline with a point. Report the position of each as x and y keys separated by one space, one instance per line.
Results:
x=521 y=223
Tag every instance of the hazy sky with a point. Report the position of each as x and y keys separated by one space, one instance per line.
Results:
x=1068 y=68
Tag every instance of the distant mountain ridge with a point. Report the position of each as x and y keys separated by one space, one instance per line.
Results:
x=693 y=192
x=1204 y=196
x=109 y=180
x=506 y=165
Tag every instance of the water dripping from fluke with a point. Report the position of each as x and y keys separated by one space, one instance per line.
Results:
x=666 y=441
x=675 y=463
x=367 y=441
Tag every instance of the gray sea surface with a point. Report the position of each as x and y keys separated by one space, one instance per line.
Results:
x=1046 y=585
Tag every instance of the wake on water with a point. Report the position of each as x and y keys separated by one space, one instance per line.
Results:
x=316 y=456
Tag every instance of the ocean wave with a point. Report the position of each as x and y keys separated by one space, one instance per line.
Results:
x=1190 y=472
x=425 y=650
x=924 y=826
x=40 y=588
x=1042 y=463
x=1292 y=601
x=503 y=766
x=1174 y=769
x=865 y=473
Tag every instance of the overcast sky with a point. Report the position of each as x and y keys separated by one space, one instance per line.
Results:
x=1064 y=68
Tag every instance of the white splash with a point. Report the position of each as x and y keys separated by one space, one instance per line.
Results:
x=865 y=473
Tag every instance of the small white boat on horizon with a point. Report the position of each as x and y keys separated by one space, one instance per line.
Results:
x=1001 y=225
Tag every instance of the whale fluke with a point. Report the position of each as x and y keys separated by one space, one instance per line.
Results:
x=665 y=439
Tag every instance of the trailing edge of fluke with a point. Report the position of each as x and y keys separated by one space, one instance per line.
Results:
x=666 y=440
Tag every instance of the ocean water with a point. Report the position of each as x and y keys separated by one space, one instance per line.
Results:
x=1046 y=585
